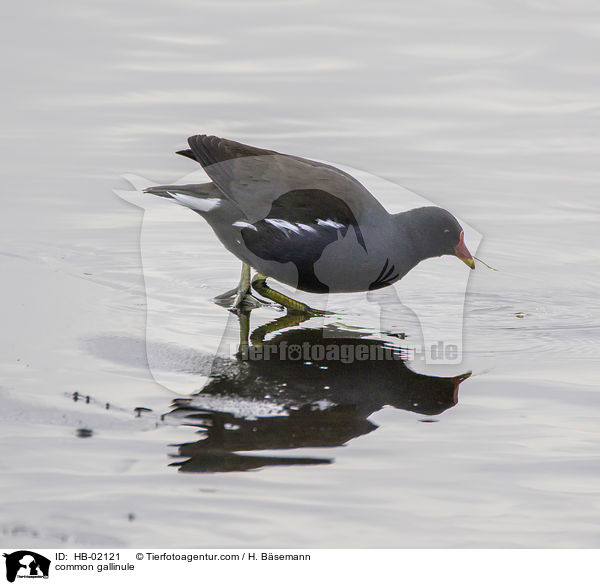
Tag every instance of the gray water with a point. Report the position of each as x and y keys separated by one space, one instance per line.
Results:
x=489 y=109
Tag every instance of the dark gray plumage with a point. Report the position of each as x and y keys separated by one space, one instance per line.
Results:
x=309 y=224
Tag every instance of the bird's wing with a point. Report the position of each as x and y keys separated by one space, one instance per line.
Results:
x=254 y=178
x=300 y=226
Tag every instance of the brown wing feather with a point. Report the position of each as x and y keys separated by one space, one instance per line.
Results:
x=210 y=150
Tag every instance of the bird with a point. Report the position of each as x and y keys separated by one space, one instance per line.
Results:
x=306 y=223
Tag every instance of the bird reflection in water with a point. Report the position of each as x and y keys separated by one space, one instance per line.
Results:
x=271 y=397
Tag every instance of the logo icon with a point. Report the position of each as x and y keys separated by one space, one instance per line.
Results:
x=26 y=564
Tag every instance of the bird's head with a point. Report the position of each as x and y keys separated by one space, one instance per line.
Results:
x=436 y=232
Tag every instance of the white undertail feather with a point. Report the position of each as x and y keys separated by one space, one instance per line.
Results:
x=196 y=203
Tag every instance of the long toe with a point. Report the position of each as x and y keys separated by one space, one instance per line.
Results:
x=246 y=302
x=226 y=296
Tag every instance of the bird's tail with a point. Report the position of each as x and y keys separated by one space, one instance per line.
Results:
x=201 y=197
x=201 y=191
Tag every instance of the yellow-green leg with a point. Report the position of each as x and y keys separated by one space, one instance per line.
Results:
x=259 y=284
x=243 y=299
x=243 y=286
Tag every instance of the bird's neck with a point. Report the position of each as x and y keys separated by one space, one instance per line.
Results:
x=412 y=237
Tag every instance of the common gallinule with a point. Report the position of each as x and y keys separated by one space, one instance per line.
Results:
x=306 y=223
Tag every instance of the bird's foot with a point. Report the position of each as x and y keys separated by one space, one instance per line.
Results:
x=224 y=298
x=245 y=301
x=238 y=299
x=293 y=306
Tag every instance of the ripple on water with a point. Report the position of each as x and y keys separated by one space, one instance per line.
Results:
x=563 y=323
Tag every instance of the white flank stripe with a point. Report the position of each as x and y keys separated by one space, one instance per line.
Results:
x=330 y=223
x=307 y=228
x=245 y=224
x=196 y=203
x=282 y=224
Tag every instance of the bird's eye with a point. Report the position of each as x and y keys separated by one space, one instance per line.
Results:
x=446 y=231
